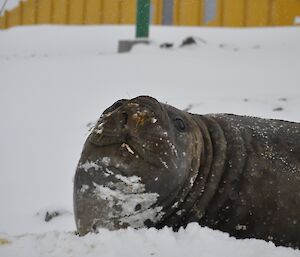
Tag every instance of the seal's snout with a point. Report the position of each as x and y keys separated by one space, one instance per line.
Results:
x=131 y=116
x=121 y=121
x=138 y=118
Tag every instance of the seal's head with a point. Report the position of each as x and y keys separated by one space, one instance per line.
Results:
x=137 y=165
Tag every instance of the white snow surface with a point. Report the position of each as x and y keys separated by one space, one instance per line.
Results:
x=193 y=241
x=56 y=80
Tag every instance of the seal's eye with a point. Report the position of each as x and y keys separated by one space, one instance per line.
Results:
x=179 y=124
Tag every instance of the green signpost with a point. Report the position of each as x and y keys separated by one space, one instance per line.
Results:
x=142 y=18
x=142 y=27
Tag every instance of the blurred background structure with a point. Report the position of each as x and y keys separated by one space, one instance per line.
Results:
x=230 y=13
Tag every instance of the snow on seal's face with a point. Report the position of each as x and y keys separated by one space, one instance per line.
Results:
x=140 y=159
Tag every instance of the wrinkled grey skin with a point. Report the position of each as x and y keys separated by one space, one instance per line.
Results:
x=134 y=166
x=150 y=164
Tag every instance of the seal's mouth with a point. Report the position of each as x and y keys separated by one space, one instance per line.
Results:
x=127 y=203
x=116 y=200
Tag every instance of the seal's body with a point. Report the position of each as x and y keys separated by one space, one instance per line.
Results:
x=149 y=164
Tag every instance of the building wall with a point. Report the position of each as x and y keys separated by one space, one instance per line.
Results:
x=229 y=13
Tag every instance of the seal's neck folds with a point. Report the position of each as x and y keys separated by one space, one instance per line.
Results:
x=212 y=160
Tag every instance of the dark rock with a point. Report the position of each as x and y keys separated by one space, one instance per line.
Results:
x=50 y=215
x=166 y=45
x=278 y=109
x=282 y=99
x=188 y=41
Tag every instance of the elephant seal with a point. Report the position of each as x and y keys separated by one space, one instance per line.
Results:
x=148 y=164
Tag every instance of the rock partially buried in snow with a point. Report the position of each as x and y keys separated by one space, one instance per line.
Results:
x=153 y=165
x=50 y=213
x=192 y=41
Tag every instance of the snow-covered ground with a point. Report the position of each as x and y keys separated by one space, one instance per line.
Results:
x=55 y=81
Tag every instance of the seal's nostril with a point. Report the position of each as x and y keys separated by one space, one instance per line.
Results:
x=125 y=118
x=138 y=207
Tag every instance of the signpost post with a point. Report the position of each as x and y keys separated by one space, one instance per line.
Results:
x=141 y=29
x=142 y=18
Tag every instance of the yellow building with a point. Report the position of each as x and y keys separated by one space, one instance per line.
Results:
x=231 y=13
